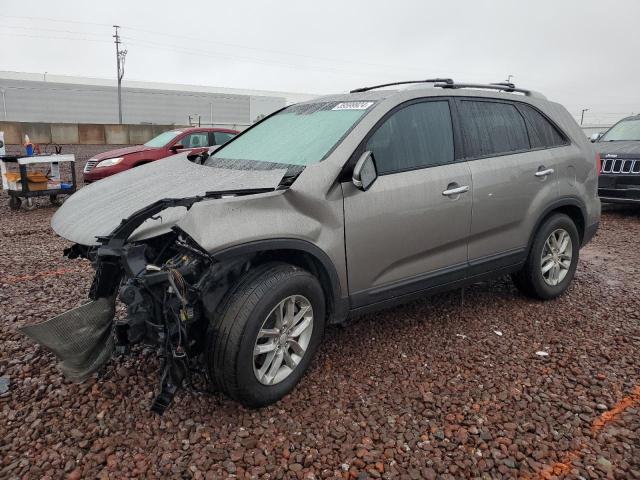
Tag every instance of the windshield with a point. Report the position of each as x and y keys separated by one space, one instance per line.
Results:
x=625 y=130
x=298 y=135
x=162 y=139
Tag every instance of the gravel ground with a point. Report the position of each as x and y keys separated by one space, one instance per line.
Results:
x=433 y=389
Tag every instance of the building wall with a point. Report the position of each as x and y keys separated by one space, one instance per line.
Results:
x=40 y=101
x=82 y=133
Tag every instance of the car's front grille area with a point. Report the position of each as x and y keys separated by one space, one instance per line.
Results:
x=89 y=165
x=620 y=165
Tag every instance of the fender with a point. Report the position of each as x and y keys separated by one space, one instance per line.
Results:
x=568 y=201
x=340 y=304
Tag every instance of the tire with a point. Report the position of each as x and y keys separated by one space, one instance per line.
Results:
x=248 y=310
x=535 y=283
x=55 y=200
x=14 y=203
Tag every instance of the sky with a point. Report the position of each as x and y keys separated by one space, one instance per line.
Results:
x=581 y=53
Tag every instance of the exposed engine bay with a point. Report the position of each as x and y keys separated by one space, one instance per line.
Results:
x=170 y=287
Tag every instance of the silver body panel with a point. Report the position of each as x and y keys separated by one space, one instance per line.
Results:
x=404 y=226
x=96 y=209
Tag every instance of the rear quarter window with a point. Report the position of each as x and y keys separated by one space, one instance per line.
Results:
x=542 y=133
x=491 y=128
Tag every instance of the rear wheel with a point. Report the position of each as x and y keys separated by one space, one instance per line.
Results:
x=552 y=260
x=265 y=334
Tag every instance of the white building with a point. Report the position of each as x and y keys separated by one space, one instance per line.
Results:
x=31 y=97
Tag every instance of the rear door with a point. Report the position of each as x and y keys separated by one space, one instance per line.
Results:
x=513 y=181
x=409 y=231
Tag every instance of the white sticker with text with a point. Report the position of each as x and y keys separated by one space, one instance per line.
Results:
x=352 y=106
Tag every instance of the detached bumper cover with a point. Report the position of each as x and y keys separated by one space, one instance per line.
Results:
x=80 y=338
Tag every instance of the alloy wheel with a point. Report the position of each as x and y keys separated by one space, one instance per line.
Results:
x=557 y=254
x=283 y=340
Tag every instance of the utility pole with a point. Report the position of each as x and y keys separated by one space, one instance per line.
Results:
x=582 y=115
x=120 y=56
x=4 y=102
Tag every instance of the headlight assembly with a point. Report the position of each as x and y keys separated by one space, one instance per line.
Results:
x=109 y=162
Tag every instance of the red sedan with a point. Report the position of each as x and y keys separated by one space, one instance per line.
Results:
x=169 y=143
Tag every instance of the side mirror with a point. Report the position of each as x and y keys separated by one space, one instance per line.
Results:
x=596 y=136
x=176 y=147
x=365 y=173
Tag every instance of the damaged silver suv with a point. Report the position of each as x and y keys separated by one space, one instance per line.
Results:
x=233 y=262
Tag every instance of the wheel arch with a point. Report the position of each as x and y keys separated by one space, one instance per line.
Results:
x=297 y=252
x=573 y=207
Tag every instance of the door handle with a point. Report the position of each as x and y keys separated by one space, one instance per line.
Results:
x=544 y=173
x=456 y=191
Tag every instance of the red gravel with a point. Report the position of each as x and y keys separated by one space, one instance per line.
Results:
x=427 y=390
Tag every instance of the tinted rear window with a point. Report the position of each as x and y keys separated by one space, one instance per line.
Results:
x=491 y=128
x=542 y=133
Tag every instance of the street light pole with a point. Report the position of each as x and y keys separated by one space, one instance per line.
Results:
x=582 y=115
x=120 y=56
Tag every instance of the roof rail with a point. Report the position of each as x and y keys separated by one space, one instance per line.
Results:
x=503 y=87
x=447 y=81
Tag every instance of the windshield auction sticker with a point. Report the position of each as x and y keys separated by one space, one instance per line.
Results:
x=352 y=106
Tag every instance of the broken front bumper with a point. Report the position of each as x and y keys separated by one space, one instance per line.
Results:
x=80 y=338
x=162 y=282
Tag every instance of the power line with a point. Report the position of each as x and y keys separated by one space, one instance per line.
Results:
x=225 y=44
x=49 y=19
x=208 y=53
x=55 y=30
x=49 y=37
x=277 y=52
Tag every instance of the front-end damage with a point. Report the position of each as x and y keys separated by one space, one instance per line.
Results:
x=169 y=285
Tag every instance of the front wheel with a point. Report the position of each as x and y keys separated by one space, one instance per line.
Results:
x=266 y=333
x=552 y=260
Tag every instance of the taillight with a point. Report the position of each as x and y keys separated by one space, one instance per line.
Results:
x=598 y=163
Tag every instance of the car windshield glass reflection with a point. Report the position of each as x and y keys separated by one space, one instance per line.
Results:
x=162 y=139
x=298 y=135
x=625 y=130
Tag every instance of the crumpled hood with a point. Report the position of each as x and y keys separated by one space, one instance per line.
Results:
x=119 y=152
x=621 y=148
x=97 y=209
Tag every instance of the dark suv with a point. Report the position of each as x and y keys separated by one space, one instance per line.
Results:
x=619 y=151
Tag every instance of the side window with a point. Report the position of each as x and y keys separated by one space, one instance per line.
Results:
x=417 y=136
x=195 y=140
x=223 y=137
x=491 y=128
x=541 y=132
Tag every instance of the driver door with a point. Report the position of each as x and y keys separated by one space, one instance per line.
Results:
x=409 y=231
